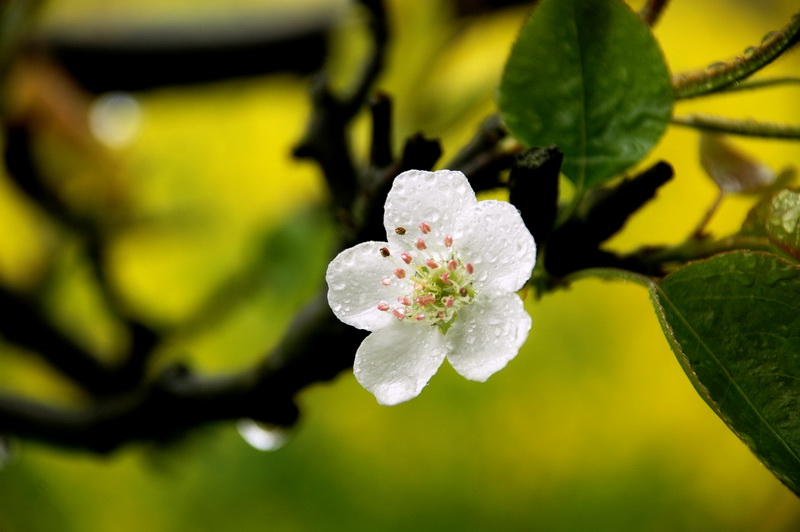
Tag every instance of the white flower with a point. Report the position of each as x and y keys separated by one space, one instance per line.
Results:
x=443 y=286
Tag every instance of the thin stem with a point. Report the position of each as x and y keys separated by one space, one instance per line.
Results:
x=766 y=83
x=652 y=11
x=721 y=75
x=699 y=231
x=178 y=400
x=748 y=128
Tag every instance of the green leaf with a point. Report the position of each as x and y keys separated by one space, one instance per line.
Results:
x=734 y=324
x=588 y=77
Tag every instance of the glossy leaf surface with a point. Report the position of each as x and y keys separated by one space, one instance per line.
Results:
x=588 y=77
x=734 y=324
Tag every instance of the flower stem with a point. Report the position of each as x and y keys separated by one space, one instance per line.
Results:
x=701 y=226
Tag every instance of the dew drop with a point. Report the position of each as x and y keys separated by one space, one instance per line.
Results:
x=115 y=119
x=6 y=451
x=769 y=36
x=263 y=436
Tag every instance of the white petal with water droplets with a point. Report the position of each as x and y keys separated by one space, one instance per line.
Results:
x=436 y=198
x=355 y=289
x=493 y=237
x=486 y=335
x=395 y=363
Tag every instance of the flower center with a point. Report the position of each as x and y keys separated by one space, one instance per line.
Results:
x=430 y=284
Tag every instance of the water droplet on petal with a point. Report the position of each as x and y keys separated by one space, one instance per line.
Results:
x=263 y=436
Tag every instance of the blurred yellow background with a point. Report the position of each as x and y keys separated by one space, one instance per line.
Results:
x=593 y=427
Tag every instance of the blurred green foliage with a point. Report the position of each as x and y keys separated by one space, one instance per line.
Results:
x=593 y=427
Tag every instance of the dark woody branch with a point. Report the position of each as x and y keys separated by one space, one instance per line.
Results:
x=326 y=140
x=179 y=400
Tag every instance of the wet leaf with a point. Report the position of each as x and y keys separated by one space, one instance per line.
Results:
x=734 y=324
x=782 y=221
x=588 y=77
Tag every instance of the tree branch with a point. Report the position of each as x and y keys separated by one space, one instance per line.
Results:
x=179 y=400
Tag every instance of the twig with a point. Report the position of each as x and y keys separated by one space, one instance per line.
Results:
x=326 y=137
x=748 y=128
x=721 y=75
x=178 y=400
x=652 y=11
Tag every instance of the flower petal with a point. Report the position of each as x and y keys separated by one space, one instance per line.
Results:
x=486 y=335
x=355 y=289
x=493 y=237
x=396 y=362
x=435 y=198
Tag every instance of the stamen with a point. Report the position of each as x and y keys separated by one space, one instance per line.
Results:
x=419 y=317
x=452 y=265
x=406 y=258
x=425 y=228
x=448 y=301
x=427 y=299
x=421 y=244
x=405 y=301
x=400 y=273
x=383 y=306
x=431 y=264
x=399 y=313
x=386 y=281
x=385 y=252
x=445 y=277
x=463 y=292
x=448 y=241
x=470 y=268
x=400 y=230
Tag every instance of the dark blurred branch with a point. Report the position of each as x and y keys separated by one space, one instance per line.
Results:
x=326 y=139
x=381 y=147
x=25 y=324
x=179 y=400
x=485 y=157
x=108 y=55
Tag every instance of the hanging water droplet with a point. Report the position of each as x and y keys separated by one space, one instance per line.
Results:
x=750 y=50
x=263 y=436
x=115 y=119
x=6 y=451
